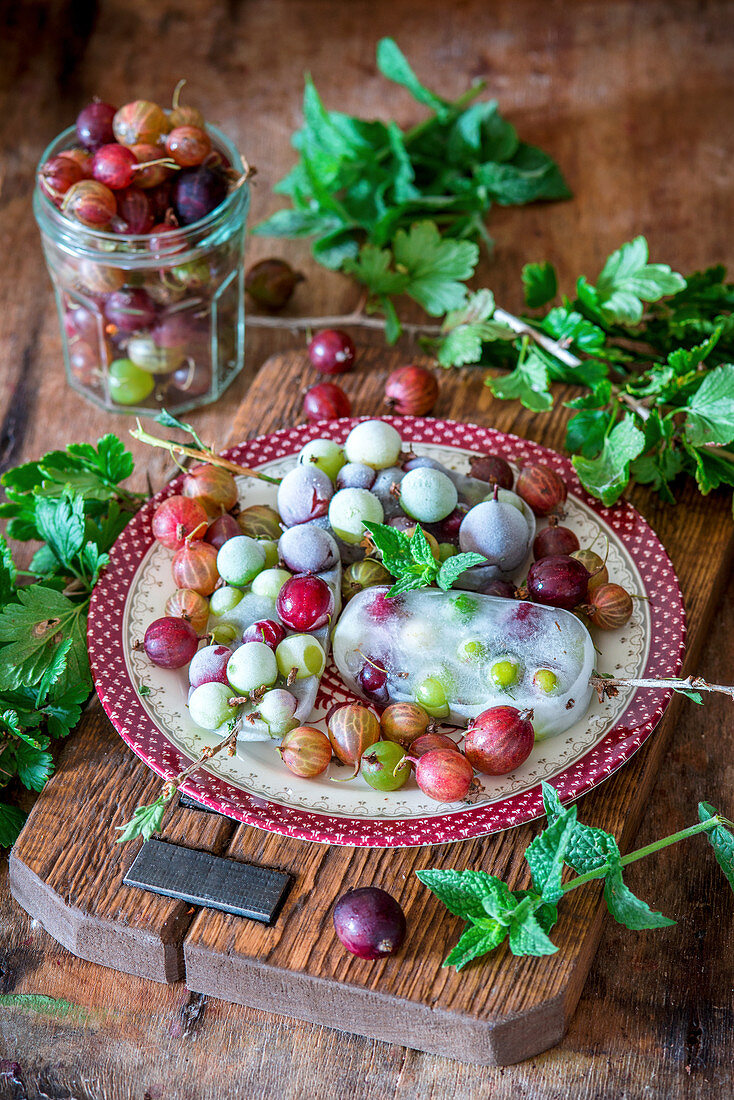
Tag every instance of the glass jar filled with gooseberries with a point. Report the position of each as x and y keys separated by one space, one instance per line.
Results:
x=142 y=213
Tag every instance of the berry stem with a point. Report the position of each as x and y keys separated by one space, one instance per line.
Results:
x=640 y=853
x=205 y=456
x=689 y=683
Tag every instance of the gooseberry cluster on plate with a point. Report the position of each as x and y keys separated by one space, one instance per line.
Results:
x=137 y=278
x=263 y=589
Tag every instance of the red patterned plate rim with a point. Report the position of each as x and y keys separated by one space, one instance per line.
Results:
x=121 y=701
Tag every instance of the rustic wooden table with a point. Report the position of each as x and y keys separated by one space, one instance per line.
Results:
x=634 y=101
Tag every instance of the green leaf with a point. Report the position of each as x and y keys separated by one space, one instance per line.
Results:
x=606 y=477
x=111 y=460
x=372 y=268
x=721 y=840
x=588 y=848
x=393 y=328
x=64 y=708
x=394 y=546
x=420 y=548
x=93 y=561
x=33 y=766
x=477 y=939
x=625 y=907
x=540 y=284
x=408 y=582
x=392 y=64
x=12 y=821
x=527 y=937
x=60 y=523
x=44 y=562
x=146 y=820
x=711 y=470
x=435 y=266
x=7 y=573
x=169 y=421
x=570 y=327
x=627 y=280
x=296 y=223
x=546 y=855
x=711 y=409
x=469 y=894
x=477 y=308
x=530 y=175
x=586 y=431
x=528 y=383
x=54 y=670
x=32 y=630
x=453 y=567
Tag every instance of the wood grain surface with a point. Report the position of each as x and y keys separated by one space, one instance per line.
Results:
x=634 y=101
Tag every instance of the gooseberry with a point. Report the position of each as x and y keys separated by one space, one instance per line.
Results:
x=270 y=283
x=189 y=605
x=188 y=145
x=177 y=519
x=195 y=566
x=90 y=203
x=306 y=751
x=332 y=351
x=326 y=401
x=94 y=125
x=541 y=488
x=411 y=391
x=140 y=122
x=369 y=922
x=170 y=643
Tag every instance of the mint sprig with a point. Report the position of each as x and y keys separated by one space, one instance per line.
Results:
x=524 y=918
x=410 y=559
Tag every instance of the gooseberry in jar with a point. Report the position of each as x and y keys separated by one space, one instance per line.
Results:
x=186 y=116
x=114 y=166
x=332 y=351
x=134 y=209
x=197 y=192
x=188 y=145
x=193 y=379
x=100 y=278
x=83 y=362
x=152 y=174
x=90 y=203
x=213 y=486
x=189 y=605
x=195 y=566
x=94 y=125
x=128 y=383
x=56 y=176
x=140 y=122
x=130 y=309
x=326 y=401
x=177 y=519
x=145 y=353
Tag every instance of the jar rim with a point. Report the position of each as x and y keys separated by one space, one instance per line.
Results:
x=48 y=216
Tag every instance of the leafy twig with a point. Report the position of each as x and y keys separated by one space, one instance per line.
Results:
x=524 y=918
x=207 y=455
x=147 y=820
x=690 y=686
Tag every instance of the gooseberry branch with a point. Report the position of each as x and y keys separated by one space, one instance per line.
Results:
x=203 y=455
x=603 y=684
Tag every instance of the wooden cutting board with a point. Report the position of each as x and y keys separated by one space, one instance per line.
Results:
x=66 y=869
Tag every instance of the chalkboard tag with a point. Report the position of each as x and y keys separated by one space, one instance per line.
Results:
x=210 y=881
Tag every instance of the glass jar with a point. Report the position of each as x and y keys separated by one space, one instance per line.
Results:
x=150 y=321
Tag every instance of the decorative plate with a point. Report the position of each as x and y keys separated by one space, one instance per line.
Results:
x=255 y=787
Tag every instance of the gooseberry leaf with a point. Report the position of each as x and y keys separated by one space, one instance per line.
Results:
x=12 y=820
x=528 y=382
x=540 y=284
x=607 y=476
x=146 y=820
x=711 y=409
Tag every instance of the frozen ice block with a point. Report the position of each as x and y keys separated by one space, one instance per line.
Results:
x=458 y=653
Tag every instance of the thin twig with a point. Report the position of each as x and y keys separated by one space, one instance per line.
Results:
x=602 y=684
x=524 y=329
x=356 y=319
x=205 y=456
x=229 y=743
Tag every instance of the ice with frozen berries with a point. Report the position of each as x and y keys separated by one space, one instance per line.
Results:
x=456 y=655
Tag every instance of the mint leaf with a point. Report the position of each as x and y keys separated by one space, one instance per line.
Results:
x=393 y=64
x=547 y=853
x=408 y=582
x=11 y=822
x=435 y=266
x=420 y=549
x=540 y=284
x=711 y=409
x=528 y=382
x=529 y=176
x=627 y=280
x=32 y=630
x=464 y=893
x=477 y=939
x=60 y=523
x=453 y=567
x=394 y=546
x=625 y=907
x=527 y=937
x=721 y=840
x=588 y=848
x=606 y=477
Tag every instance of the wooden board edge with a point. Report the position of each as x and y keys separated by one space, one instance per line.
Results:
x=498 y=1042
x=134 y=951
